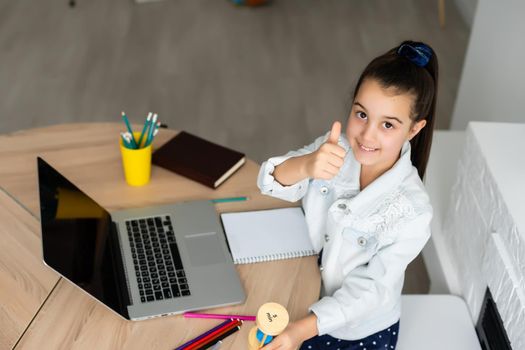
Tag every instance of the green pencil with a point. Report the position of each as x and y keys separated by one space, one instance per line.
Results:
x=230 y=199
x=146 y=124
x=129 y=129
x=152 y=122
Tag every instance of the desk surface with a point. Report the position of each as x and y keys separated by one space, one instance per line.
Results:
x=38 y=309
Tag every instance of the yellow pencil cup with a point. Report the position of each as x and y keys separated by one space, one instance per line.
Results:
x=136 y=163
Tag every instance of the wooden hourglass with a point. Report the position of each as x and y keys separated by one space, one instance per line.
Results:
x=272 y=319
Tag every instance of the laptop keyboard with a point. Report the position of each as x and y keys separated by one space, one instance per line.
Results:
x=158 y=266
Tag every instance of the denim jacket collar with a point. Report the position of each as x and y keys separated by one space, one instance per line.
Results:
x=388 y=181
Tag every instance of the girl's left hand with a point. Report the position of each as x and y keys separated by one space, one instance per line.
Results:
x=287 y=340
x=294 y=335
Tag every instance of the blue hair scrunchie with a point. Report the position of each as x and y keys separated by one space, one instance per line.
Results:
x=419 y=54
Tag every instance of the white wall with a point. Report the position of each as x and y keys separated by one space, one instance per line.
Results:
x=467 y=8
x=440 y=176
x=492 y=85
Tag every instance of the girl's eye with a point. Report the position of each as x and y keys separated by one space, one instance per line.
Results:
x=361 y=115
x=388 y=125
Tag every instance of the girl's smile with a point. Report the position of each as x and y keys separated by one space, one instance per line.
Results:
x=367 y=149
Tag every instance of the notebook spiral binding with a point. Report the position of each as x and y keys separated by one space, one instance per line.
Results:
x=272 y=257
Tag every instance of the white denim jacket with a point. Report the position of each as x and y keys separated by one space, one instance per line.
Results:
x=368 y=238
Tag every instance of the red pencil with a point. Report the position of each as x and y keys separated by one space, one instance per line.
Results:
x=217 y=333
x=212 y=342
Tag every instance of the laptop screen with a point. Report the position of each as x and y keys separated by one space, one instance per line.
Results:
x=77 y=238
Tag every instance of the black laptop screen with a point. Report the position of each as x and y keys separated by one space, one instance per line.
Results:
x=77 y=238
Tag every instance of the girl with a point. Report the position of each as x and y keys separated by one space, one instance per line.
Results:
x=367 y=211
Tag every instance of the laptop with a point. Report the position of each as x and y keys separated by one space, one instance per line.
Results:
x=141 y=262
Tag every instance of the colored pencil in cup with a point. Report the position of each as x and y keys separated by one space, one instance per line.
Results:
x=145 y=127
x=128 y=126
x=155 y=127
x=129 y=144
x=188 y=343
x=219 y=316
x=125 y=140
x=155 y=132
x=152 y=123
x=129 y=138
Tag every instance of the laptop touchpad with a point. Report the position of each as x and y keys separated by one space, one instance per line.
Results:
x=204 y=249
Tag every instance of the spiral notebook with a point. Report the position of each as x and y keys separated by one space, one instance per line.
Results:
x=266 y=235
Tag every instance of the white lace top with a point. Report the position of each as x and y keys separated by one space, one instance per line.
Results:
x=368 y=238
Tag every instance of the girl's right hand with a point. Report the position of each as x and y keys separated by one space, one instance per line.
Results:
x=327 y=160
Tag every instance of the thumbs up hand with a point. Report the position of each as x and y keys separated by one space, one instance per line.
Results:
x=333 y=138
x=328 y=159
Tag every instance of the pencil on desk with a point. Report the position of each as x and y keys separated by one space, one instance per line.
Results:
x=215 y=335
x=188 y=343
x=229 y=199
x=217 y=345
x=205 y=340
x=219 y=316
x=219 y=338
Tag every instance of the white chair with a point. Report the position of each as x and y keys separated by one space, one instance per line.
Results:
x=436 y=322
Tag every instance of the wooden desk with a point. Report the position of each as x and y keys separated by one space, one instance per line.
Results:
x=42 y=310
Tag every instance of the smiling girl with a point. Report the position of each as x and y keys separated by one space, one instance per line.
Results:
x=367 y=211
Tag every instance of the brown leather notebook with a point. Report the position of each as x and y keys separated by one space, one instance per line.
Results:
x=198 y=159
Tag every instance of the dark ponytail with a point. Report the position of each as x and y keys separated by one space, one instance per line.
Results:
x=412 y=68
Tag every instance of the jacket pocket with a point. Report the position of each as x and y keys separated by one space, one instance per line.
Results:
x=357 y=249
x=320 y=191
x=323 y=187
x=360 y=240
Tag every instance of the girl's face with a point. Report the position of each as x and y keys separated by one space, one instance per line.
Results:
x=379 y=124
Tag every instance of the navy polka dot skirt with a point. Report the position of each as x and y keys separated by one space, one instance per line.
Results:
x=382 y=340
